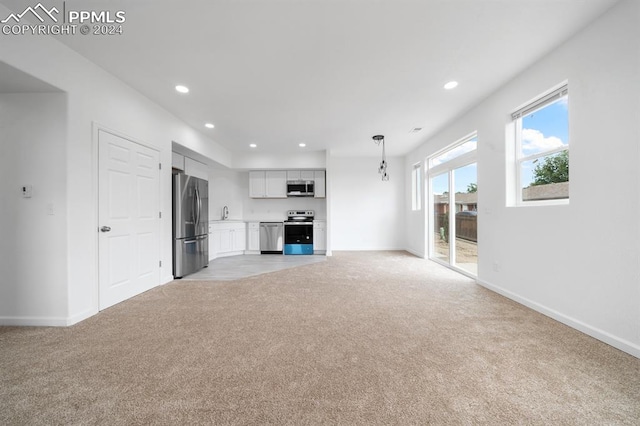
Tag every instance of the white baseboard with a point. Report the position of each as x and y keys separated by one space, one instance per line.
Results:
x=47 y=321
x=594 y=332
x=74 y=319
x=415 y=253
x=34 y=321
x=166 y=279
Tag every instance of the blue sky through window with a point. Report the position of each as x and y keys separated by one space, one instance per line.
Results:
x=463 y=177
x=544 y=130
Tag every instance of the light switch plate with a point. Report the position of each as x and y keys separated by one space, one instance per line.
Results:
x=26 y=191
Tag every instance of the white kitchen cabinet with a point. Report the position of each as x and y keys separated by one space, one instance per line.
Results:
x=320 y=186
x=268 y=184
x=253 y=237
x=319 y=236
x=212 y=246
x=307 y=175
x=276 y=184
x=196 y=169
x=257 y=184
x=177 y=161
x=300 y=175
x=229 y=239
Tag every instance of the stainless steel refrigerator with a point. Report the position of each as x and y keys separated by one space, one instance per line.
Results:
x=190 y=224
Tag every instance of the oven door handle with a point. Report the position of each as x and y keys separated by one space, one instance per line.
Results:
x=298 y=223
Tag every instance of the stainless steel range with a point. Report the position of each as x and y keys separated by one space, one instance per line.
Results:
x=298 y=232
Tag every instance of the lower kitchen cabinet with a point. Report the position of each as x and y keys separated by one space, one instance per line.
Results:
x=253 y=237
x=212 y=246
x=319 y=236
x=228 y=239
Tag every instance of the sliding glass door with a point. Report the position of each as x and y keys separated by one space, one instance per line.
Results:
x=465 y=223
x=440 y=217
x=453 y=189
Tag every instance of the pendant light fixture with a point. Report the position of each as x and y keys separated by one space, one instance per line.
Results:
x=382 y=169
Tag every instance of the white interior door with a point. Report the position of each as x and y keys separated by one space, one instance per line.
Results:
x=129 y=224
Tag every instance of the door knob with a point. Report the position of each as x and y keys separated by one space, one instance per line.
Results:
x=105 y=229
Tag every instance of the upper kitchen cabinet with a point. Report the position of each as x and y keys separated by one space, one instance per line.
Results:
x=268 y=184
x=320 y=190
x=257 y=184
x=189 y=166
x=196 y=168
x=300 y=174
x=177 y=161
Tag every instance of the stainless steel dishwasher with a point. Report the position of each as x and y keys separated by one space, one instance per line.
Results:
x=271 y=237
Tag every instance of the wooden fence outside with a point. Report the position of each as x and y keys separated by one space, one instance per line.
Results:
x=466 y=227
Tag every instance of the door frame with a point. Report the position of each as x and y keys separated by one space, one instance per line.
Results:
x=96 y=127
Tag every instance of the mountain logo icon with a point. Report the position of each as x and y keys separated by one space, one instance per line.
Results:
x=38 y=11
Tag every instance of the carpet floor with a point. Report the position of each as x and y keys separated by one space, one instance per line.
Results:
x=363 y=338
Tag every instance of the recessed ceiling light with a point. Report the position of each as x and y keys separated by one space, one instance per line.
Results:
x=182 y=89
x=451 y=85
x=302 y=145
x=209 y=126
x=252 y=145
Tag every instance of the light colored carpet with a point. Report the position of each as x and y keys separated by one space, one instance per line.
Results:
x=363 y=338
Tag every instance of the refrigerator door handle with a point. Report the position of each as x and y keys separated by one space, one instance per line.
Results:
x=197 y=210
x=199 y=207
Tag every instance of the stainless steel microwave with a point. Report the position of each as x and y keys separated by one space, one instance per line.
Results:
x=300 y=188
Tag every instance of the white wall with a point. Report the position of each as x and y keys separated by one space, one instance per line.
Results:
x=415 y=237
x=33 y=243
x=296 y=159
x=366 y=213
x=578 y=263
x=227 y=188
x=259 y=209
x=94 y=96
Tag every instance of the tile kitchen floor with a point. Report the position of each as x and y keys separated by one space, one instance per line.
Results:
x=236 y=267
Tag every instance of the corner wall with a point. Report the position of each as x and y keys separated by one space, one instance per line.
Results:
x=577 y=263
x=365 y=212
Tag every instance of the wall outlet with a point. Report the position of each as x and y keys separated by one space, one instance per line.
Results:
x=50 y=209
x=497 y=267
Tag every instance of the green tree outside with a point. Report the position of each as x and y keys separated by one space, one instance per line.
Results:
x=472 y=187
x=553 y=169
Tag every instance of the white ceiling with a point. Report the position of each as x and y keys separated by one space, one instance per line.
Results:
x=327 y=73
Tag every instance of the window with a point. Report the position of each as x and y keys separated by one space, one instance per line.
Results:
x=416 y=188
x=459 y=149
x=542 y=149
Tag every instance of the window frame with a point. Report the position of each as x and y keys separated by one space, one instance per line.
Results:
x=416 y=187
x=555 y=94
